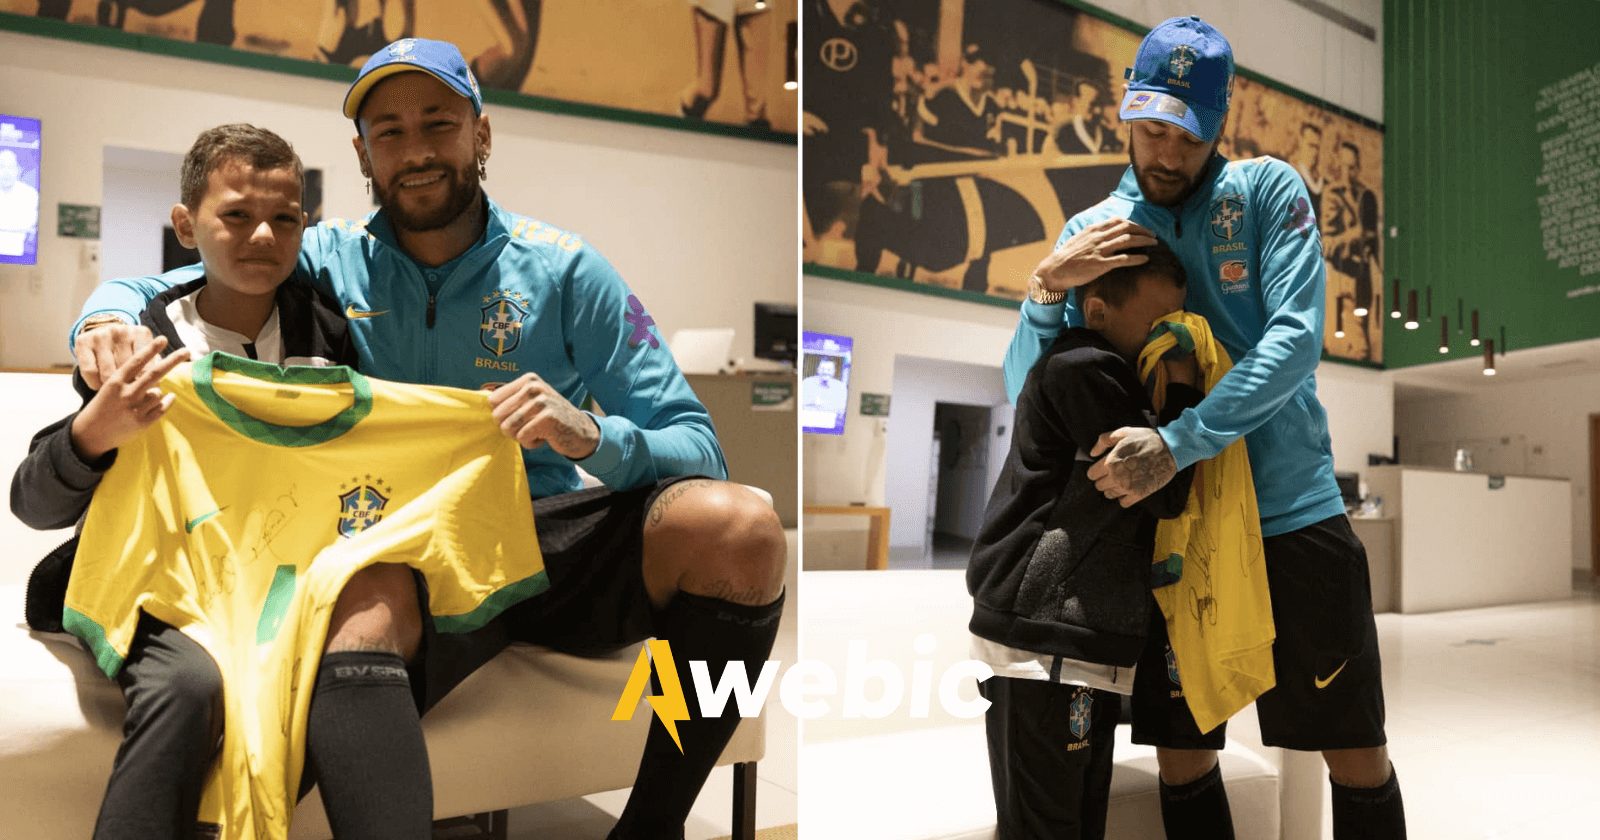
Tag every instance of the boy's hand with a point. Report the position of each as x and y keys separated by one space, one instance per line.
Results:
x=532 y=412
x=1092 y=252
x=1183 y=370
x=127 y=401
x=102 y=350
x=1139 y=464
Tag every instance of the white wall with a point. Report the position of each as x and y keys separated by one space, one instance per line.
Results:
x=136 y=203
x=886 y=324
x=701 y=226
x=1360 y=404
x=1289 y=43
x=1547 y=419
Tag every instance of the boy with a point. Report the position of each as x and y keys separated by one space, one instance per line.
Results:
x=240 y=207
x=1060 y=575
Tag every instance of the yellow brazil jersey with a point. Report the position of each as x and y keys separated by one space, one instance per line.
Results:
x=1210 y=569
x=239 y=517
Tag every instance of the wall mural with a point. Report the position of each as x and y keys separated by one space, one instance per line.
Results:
x=721 y=61
x=947 y=143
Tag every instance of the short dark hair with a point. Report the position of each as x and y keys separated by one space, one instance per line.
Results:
x=235 y=141
x=1116 y=286
x=1312 y=127
x=1354 y=149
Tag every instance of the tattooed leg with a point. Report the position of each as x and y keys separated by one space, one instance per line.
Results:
x=714 y=539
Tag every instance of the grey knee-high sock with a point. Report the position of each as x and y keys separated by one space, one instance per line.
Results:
x=1369 y=813
x=1197 y=810
x=364 y=745
x=718 y=632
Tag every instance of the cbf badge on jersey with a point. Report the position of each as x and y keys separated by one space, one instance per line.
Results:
x=500 y=330
x=361 y=505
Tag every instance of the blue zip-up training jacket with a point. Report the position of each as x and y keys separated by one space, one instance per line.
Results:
x=527 y=298
x=1249 y=242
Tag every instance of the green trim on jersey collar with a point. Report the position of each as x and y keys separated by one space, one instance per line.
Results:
x=271 y=433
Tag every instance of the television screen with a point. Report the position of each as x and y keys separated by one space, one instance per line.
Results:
x=775 y=329
x=19 y=190
x=825 y=390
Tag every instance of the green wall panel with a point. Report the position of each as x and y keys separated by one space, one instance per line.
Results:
x=1481 y=100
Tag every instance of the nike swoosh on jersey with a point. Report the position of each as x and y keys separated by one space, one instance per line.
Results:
x=352 y=312
x=191 y=525
x=1323 y=683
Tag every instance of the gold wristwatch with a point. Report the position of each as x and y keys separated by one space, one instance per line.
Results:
x=1040 y=295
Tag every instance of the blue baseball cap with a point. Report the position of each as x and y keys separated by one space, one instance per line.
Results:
x=439 y=59
x=1182 y=74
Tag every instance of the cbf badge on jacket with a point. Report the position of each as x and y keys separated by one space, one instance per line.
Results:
x=501 y=329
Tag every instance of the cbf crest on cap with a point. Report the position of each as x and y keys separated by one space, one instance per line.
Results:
x=439 y=59
x=1182 y=74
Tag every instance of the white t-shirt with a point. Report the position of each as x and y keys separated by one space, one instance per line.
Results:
x=1029 y=665
x=202 y=336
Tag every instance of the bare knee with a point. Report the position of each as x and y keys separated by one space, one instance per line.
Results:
x=1359 y=768
x=1180 y=767
x=716 y=539
x=377 y=611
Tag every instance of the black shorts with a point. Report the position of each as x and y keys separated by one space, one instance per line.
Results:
x=1050 y=749
x=1329 y=692
x=593 y=546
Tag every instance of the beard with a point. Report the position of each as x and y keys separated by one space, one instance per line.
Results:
x=1165 y=192
x=461 y=191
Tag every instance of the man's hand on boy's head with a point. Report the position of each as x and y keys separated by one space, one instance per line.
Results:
x=1139 y=464
x=532 y=412
x=1092 y=252
x=127 y=401
x=103 y=349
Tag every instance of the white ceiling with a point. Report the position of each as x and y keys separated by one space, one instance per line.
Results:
x=1465 y=376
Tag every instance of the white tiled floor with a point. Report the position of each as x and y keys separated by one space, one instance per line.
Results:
x=777 y=776
x=1494 y=719
x=1494 y=729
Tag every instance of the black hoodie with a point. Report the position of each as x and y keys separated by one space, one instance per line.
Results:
x=1058 y=568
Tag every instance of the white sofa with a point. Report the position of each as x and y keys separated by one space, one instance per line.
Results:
x=531 y=726
x=901 y=778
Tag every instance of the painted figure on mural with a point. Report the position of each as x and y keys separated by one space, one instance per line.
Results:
x=351 y=30
x=1351 y=226
x=712 y=20
x=216 y=16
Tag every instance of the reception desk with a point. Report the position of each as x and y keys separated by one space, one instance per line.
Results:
x=758 y=438
x=1466 y=539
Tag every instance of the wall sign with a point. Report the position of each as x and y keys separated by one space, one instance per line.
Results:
x=80 y=221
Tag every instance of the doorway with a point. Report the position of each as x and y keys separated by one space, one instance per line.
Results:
x=959 y=489
x=950 y=426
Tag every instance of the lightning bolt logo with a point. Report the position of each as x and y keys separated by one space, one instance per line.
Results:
x=670 y=705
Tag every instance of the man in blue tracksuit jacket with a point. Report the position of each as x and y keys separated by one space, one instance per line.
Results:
x=1248 y=239
x=444 y=287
